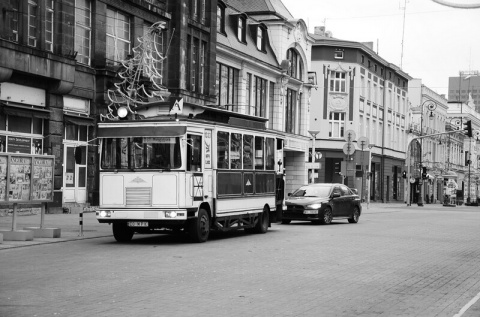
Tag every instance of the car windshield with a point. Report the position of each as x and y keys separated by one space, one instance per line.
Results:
x=312 y=191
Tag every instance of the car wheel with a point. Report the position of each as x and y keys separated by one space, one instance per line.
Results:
x=121 y=232
x=263 y=222
x=355 y=215
x=327 y=216
x=199 y=228
x=286 y=221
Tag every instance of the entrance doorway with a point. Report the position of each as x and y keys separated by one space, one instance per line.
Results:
x=75 y=174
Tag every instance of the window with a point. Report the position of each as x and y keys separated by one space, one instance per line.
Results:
x=32 y=23
x=197 y=10
x=290 y=111
x=336 y=124
x=157 y=74
x=260 y=39
x=118 y=36
x=83 y=29
x=26 y=137
x=49 y=12
x=296 y=64
x=220 y=19
x=247 y=152
x=194 y=154
x=259 y=96
x=75 y=132
x=271 y=105
x=196 y=64
x=11 y=17
x=259 y=153
x=337 y=82
x=236 y=151
x=241 y=29
x=338 y=54
x=226 y=84
x=363 y=59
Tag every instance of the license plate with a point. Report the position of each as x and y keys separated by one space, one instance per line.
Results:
x=137 y=224
x=310 y=212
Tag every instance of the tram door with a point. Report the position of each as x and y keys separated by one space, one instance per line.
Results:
x=75 y=174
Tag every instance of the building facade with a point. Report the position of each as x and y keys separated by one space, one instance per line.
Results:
x=361 y=112
x=464 y=87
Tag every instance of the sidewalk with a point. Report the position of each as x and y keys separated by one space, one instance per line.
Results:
x=68 y=223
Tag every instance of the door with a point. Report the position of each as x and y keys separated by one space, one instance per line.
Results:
x=75 y=174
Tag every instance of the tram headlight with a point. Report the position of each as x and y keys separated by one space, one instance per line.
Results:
x=170 y=214
x=105 y=213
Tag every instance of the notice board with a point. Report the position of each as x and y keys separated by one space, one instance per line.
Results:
x=26 y=178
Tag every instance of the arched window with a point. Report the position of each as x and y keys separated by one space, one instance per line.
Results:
x=296 y=64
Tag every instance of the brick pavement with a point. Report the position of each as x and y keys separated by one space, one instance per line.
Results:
x=397 y=284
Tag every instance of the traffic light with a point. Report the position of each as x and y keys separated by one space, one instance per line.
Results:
x=404 y=174
x=424 y=172
x=468 y=128
x=337 y=167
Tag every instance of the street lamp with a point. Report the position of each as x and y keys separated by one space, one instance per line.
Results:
x=431 y=106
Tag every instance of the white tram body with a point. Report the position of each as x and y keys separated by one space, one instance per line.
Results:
x=187 y=175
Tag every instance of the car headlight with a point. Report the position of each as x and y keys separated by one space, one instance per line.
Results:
x=314 y=206
x=170 y=214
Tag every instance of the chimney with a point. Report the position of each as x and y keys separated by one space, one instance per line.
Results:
x=319 y=30
x=328 y=34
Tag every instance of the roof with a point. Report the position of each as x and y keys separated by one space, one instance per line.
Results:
x=268 y=9
x=249 y=48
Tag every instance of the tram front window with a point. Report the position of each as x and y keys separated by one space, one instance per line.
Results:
x=141 y=153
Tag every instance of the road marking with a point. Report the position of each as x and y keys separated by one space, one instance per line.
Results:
x=466 y=307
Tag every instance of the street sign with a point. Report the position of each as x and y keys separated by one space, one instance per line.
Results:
x=318 y=155
x=350 y=136
x=363 y=143
x=313 y=165
x=349 y=148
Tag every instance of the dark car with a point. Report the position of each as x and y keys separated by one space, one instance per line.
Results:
x=321 y=203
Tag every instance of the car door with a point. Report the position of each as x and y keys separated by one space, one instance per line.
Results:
x=337 y=202
x=348 y=200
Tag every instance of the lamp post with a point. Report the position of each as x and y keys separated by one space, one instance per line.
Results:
x=313 y=133
x=431 y=105
x=369 y=173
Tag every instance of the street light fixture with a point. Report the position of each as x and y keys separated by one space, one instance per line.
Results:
x=431 y=106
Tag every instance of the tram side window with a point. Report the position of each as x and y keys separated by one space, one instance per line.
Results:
x=236 y=151
x=247 y=152
x=222 y=149
x=259 y=153
x=194 y=153
x=270 y=149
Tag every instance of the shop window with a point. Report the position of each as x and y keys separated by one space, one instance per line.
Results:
x=19 y=124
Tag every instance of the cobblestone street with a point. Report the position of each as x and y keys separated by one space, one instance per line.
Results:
x=397 y=261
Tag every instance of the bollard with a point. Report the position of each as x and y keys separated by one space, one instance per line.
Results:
x=80 y=222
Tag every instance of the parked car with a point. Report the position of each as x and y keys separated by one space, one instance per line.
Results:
x=322 y=202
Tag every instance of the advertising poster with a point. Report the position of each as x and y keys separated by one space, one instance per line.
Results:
x=3 y=178
x=19 y=176
x=42 y=179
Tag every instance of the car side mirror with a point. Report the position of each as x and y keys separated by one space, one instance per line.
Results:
x=335 y=195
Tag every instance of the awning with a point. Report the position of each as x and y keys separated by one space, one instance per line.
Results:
x=79 y=120
x=123 y=132
x=24 y=111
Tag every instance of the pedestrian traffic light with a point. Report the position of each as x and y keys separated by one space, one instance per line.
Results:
x=424 y=172
x=468 y=128
x=337 y=167
x=404 y=174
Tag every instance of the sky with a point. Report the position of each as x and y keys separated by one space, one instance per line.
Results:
x=438 y=41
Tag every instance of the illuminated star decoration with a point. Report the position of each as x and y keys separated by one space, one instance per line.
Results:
x=139 y=77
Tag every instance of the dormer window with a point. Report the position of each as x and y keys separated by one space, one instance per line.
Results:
x=338 y=54
x=241 y=29
x=260 y=39
x=221 y=18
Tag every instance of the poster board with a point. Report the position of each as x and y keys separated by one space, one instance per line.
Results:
x=26 y=178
